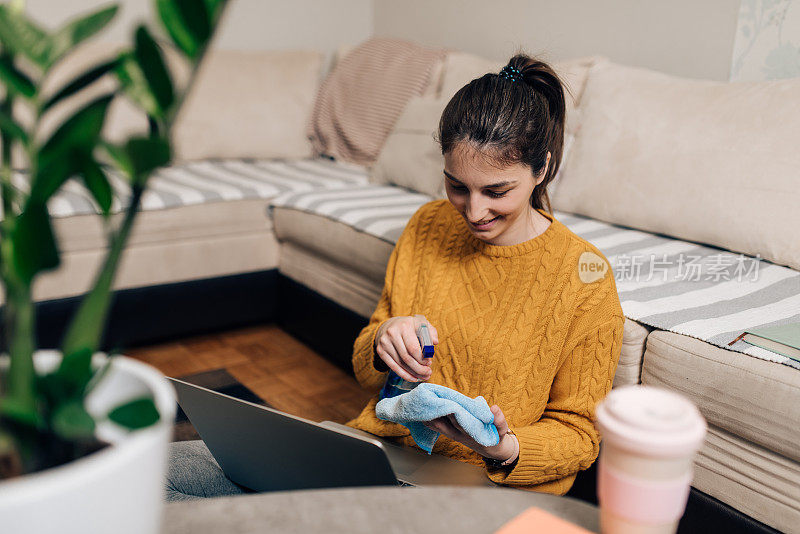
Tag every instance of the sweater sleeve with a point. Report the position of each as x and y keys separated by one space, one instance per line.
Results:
x=369 y=370
x=564 y=440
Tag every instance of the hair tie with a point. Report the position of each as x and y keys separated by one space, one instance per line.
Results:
x=511 y=73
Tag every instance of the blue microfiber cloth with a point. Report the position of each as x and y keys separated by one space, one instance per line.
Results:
x=426 y=402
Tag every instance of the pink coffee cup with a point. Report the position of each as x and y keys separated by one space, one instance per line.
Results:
x=650 y=437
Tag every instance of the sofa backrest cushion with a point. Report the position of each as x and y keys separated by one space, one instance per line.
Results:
x=249 y=104
x=410 y=157
x=462 y=67
x=704 y=161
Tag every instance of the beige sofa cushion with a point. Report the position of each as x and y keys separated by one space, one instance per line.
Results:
x=332 y=258
x=461 y=67
x=411 y=157
x=743 y=395
x=336 y=241
x=629 y=368
x=347 y=287
x=243 y=104
x=749 y=478
x=168 y=245
x=145 y=265
x=249 y=105
x=210 y=219
x=703 y=161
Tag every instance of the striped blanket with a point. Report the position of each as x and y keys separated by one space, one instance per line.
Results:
x=696 y=290
x=691 y=289
x=209 y=181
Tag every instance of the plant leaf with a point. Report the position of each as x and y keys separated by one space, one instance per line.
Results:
x=188 y=23
x=134 y=83
x=53 y=170
x=75 y=372
x=119 y=156
x=19 y=34
x=138 y=413
x=83 y=128
x=61 y=155
x=71 y=421
x=196 y=18
x=146 y=155
x=78 y=30
x=20 y=412
x=85 y=329
x=144 y=76
x=214 y=8
x=11 y=129
x=173 y=23
x=79 y=82
x=34 y=244
x=52 y=389
x=15 y=80
x=151 y=62
x=97 y=183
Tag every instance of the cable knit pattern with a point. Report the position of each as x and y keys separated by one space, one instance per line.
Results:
x=517 y=325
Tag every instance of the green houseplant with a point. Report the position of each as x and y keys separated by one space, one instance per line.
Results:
x=44 y=421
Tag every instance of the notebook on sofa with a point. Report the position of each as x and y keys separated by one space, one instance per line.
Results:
x=783 y=339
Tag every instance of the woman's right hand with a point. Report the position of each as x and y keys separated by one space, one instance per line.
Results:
x=397 y=346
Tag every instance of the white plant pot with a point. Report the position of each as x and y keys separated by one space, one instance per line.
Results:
x=119 y=489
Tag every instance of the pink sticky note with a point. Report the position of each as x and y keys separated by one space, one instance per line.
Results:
x=537 y=520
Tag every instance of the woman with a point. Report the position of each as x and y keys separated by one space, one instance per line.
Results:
x=498 y=280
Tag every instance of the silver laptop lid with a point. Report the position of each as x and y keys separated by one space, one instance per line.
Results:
x=265 y=450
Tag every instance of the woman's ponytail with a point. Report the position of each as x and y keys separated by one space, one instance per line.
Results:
x=544 y=81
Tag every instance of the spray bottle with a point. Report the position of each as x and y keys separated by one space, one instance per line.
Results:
x=395 y=385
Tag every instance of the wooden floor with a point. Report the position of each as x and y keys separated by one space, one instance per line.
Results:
x=288 y=375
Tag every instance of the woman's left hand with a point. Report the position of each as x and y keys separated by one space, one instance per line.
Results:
x=506 y=449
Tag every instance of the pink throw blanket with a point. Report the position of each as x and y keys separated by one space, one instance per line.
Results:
x=361 y=99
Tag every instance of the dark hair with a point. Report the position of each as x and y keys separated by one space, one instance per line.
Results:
x=511 y=121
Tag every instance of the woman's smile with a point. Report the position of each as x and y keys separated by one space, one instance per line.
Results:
x=485 y=225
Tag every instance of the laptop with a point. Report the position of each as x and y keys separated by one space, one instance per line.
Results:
x=264 y=449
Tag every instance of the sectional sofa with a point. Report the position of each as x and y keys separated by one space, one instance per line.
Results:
x=688 y=187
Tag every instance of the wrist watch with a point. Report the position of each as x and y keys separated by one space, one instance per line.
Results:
x=495 y=463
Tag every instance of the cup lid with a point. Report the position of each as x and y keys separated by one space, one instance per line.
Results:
x=651 y=421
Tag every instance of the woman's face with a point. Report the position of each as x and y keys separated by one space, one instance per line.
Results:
x=495 y=202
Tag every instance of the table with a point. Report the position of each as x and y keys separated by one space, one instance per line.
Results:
x=387 y=510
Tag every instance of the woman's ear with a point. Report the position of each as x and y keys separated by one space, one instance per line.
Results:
x=544 y=172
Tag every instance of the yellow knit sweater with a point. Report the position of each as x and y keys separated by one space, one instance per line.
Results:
x=518 y=325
